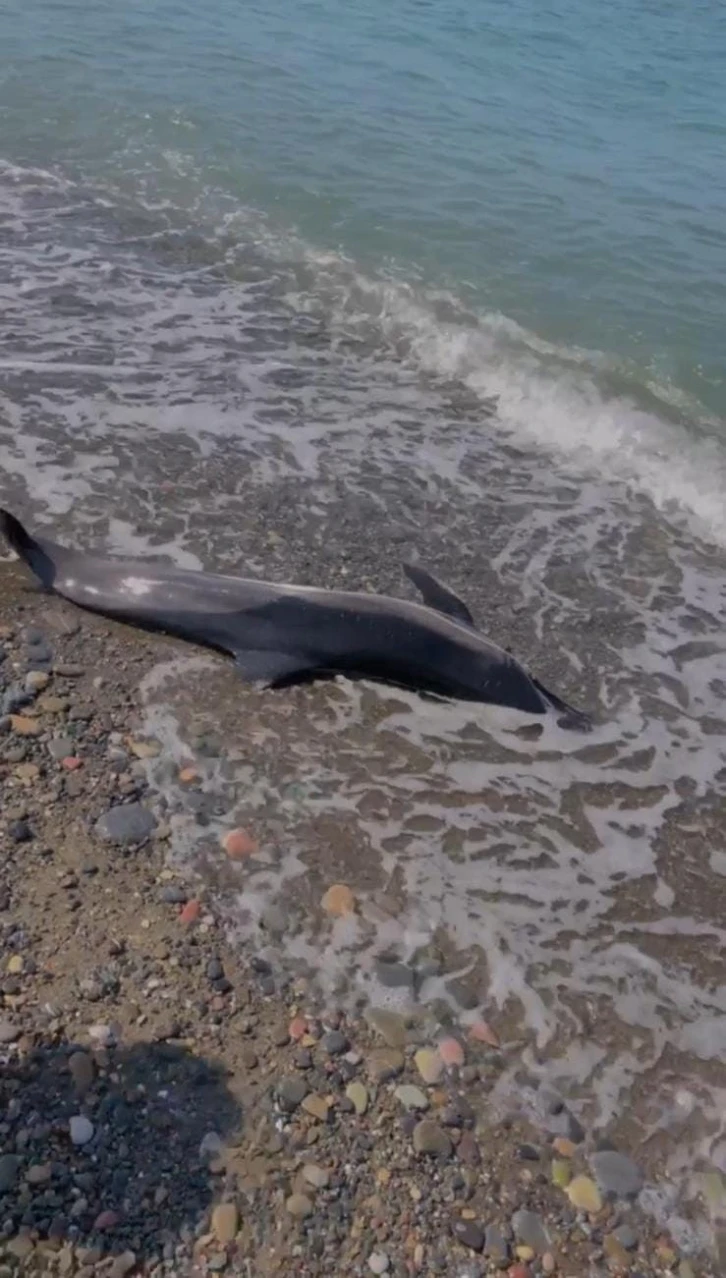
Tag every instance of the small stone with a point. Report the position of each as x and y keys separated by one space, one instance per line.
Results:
x=395 y=976
x=36 y=680
x=469 y=1234
x=451 y=1053
x=20 y=1247
x=299 y=1205
x=126 y=824
x=8 y=1032
x=338 y=900
x=190 y=913
x=217 y=1262
x=525 y=1253
x=317 y=1107
x=39 y=1174
x=122 y=1265
x=496 y=1246
x=20 y=831
x=564 y=1147
x=686 y=1270
x=561 y=1172
x=144 y=749
x=519 y=1271
x=467 y=1150
x=548 y=1263
x=71 y=763
x=528 y=1153
x=334 y=1043
x=81 y=1129
x=291 y=1092
x=15 y=964
x=390 y=1025
x=239 y=845
x=316 y=1176
x=385 y=1063
x=411 y=1097
x=529 y=1230
x=429 y=1065
x=378 y=1262
x=429 y=1138
x=9 y=1167
x=584 y=1194
x=225 y=1222
x=25 y=726
x=626 y=1236
x=107 y=1219
x=61 y=748
x=358 y=1096
x=616 y=1174
x=82 y=1071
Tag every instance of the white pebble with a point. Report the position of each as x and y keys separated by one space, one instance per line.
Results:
x=81 y=1129
x=378 y=1262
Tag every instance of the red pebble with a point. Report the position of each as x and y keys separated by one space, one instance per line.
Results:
x=298 y=1027
x=71 y=763
x=190 y=912
x=238 y=845
x=106 y=1220
x=480 y=1032
x=519 y=1271
x=451 y=1052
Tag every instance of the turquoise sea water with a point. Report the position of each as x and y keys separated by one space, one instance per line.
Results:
x=563 y=166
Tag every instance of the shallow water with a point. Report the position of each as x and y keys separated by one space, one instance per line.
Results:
x=179 y=377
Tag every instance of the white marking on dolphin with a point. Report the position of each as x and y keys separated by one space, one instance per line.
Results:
x=281 y=634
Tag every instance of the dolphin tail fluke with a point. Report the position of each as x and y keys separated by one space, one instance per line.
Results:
x=576 y=720
x=28 y=549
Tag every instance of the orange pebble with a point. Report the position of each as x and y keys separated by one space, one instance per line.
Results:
x=480 y=1032
x=190 y=912
x=238 y=845
x=451 y=1052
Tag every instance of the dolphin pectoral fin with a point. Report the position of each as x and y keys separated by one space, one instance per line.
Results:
x=438 y=596
x=257 y=665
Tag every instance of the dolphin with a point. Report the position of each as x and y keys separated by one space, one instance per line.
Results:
x=284 y=634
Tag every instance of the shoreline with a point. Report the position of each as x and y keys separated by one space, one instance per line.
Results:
x=169 y=1110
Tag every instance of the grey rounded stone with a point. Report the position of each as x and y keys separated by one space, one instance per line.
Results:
x=429 y=1138
x=334 y=1043
x=8 y=1031
x=469 y=1234
x=626 y=1236
x=126 y=824
x=616 y=1174
x=291 y=1092
x=9 y=1167
x=528 y=1229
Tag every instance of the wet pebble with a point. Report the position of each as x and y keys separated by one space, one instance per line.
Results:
x=626 y=1236
x=82 y=1071
x=171 y=894
x=334 y=1043
x=20 y=831
x=126 y=824
x=384 y=1064
x=394 y=975
x=8 y=1032
x=299 y=1205
x=429 y=1065
x=584 y=1194
x=616 y=1174
x=378 y=1262
x=411 y=1097
x=528 y=1229
x=469 y=1234
x=496 y=1246
x=430 y=1139
x=225 y=1222
x=61 y=748
x=9 y=1167
x=357 y=1094
x=291 y=1092
x=81 y=1129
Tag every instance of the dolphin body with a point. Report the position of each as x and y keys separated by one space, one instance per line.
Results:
x=283 y=634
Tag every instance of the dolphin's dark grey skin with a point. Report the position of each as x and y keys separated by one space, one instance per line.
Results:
x=285 y=634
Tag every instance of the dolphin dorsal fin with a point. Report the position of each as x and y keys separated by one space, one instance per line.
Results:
x=437 y=596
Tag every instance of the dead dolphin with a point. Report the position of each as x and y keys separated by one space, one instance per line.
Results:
x=286 y=634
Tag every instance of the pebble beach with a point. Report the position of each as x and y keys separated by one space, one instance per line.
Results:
x=173 y=1105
